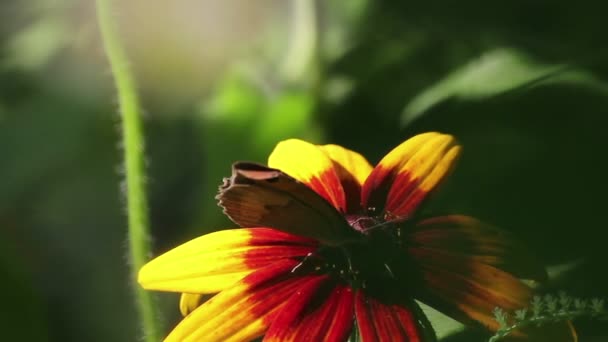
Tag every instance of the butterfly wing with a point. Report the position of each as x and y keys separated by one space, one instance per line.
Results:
x=258 y=196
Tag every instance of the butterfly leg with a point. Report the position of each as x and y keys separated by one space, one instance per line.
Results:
x=312 y=262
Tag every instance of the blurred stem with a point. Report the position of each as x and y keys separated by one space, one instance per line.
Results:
x=302 y=55
x=133 y=142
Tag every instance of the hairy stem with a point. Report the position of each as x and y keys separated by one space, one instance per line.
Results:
x=133 y=141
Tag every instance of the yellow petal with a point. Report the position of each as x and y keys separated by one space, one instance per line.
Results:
x=350 y=162
x=213 y=262
x=309 y=164
x=188 y=302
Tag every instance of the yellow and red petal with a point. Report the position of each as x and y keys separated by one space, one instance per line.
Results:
x=310 y=165
x=215 y=261
x=352 y=170
x=256 y=195
x=465 y=288
x=378 y=321
x=318 y=311
x=405 y=176
x=243 y=311
x=470 y=268
x=461 y=235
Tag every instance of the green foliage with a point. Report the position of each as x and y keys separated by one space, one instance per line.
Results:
x=548 y=309
x=495 y=73
x=36 y=44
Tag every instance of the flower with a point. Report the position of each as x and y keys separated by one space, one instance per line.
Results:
x=333 y=247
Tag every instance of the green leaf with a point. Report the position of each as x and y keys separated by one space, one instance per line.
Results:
x=494 y=73
x=443 y=325
x=34 y=46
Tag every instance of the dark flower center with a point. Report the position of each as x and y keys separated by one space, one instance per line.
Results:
x=376 y=260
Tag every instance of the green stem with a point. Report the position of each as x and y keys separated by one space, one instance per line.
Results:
x=133 y=142
x=544 y=319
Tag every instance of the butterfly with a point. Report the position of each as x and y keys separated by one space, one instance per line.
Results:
x=259 y=196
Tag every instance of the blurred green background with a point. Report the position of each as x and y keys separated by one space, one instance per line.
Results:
x=522 y=84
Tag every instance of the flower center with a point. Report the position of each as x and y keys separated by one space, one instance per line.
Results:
x=376 y=260
x=364 y=224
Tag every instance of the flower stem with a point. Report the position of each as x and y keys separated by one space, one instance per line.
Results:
x=133 y=141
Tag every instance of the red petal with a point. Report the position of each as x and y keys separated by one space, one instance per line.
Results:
x=318 y=311
x=267 y=236
x=378 y=321
x=243 y=311
x=275 y=245
x=352 y=170
x=465 y=236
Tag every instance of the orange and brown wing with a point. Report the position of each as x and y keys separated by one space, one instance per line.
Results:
x=256 y=196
